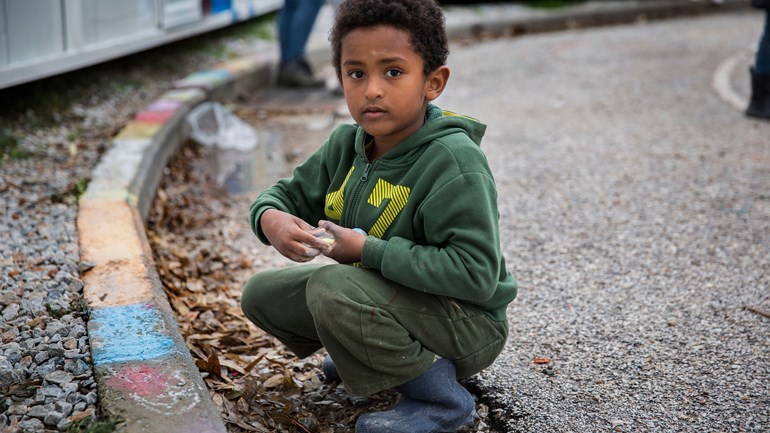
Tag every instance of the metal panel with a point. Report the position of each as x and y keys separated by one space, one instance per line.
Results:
x=79 y=53
x=104 y=20
x=3 y=36
x=36 y=29
x=181 y=12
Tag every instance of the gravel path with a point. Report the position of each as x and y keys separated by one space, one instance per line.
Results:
x=52 y=134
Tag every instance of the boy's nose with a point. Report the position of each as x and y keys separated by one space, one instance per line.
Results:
x=373 y=89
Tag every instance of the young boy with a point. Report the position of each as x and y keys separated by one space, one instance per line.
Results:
x=419 y=296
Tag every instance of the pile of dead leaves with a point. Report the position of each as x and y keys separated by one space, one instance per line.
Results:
x=257 y=385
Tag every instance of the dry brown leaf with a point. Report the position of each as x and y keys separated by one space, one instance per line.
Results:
x=274 y=381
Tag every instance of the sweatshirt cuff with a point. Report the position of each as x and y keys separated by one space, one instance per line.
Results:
x=256 y=227
x=373 y=253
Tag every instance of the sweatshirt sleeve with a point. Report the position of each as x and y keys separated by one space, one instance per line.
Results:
x=462 y=257
x=301 y=195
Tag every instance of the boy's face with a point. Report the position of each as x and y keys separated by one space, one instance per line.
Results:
x=385 y=88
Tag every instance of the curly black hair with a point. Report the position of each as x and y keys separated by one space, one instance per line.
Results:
x=423 y=19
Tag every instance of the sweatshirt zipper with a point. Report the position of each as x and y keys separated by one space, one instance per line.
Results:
x=351 y=209
x=365 y=175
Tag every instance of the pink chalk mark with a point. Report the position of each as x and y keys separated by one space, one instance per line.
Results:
x=143 y=380
x=154 y=116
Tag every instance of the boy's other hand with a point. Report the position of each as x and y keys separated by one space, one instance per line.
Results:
x=348 y=243
x=291 y=236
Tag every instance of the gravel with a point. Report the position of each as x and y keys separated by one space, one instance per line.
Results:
x=638 y=262
x=52 y=133
x=636 y=217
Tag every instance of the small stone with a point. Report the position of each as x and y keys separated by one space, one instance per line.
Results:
x=51 y=391
x=7 y=337
x=56 y=349
x=359 y=401
x=64 y=407
x=64 y=424
x=41 y=357
x=38 y=411
x=72 y=354
x=70 y=343
x=31 y=425
x=84 y=267
x=44 y=370
x=53 y=418
x=14 y=355
x=25 y=362
x=10 y=376
x=17 y=409
x=59 y=377
x=77 y=331
x=10 y=312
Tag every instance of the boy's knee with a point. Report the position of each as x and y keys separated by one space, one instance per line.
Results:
x=320 y=286
x=252 y=299
x=331 y=290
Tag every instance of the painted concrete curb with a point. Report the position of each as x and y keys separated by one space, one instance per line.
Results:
x=146 y=377
x=145 y=374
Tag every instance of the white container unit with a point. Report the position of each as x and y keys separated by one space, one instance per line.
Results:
x=41 y=38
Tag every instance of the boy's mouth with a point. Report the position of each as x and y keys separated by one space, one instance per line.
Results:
x=373 y=110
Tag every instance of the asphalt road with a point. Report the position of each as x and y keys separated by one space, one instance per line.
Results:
x=635 y=214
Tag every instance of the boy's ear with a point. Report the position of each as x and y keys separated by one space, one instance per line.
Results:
x=436 y=82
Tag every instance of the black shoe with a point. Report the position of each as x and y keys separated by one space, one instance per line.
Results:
x=759 y=106
x=298 y=74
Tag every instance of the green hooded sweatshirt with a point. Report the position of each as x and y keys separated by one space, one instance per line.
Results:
x=429 y=206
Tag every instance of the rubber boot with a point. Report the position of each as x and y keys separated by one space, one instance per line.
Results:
x=759 y=106
x=433 y=402
x=331 y=375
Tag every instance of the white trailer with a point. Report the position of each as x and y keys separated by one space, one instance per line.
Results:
x=41 y=38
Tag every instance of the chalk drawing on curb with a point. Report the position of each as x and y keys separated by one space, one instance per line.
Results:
x=162 y=391
x=128 y=333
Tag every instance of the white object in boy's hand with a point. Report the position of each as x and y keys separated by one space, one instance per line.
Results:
x=325 y=236
x=321 y=234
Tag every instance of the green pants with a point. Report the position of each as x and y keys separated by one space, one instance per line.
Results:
x=379 y=334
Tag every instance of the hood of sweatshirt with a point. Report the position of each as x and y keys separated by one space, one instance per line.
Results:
x=438 y=123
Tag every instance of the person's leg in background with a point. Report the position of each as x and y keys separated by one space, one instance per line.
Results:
x=295 y=22
x=759 y=106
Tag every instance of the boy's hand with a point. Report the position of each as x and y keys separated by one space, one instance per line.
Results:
x=293 y=238
x=348 y=243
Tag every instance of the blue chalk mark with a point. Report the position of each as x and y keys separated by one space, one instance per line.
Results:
x=128 y=333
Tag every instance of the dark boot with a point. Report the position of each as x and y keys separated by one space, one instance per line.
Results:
x=434 y=402
x=759 y=106
x=298 y=73
x=330 y=370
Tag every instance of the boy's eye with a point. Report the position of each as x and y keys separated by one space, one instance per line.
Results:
x=393 y=73
x=355 y=74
